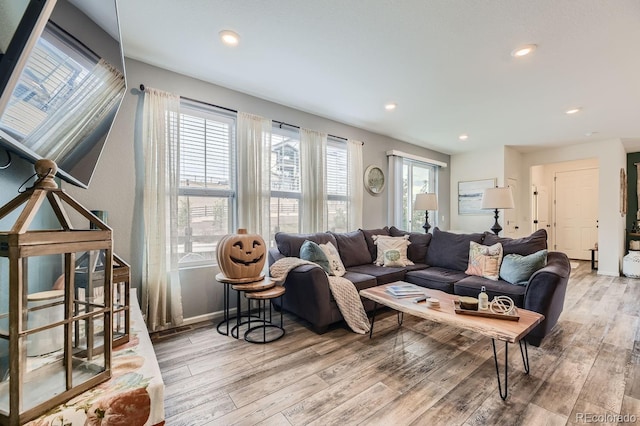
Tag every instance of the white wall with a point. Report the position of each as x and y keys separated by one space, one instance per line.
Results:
x=475 y=165
x=116 y=185
x=513 y=170
x=611 y=158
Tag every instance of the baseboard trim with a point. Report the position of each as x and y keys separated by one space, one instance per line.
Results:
x=207 y=317
x=608 y=273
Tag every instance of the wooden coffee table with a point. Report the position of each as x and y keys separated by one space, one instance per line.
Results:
x=496 y=329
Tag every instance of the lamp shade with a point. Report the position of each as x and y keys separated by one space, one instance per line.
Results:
x=497 y=198
x=426 y=202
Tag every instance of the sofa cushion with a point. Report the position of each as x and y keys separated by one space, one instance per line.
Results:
x=290 y=244
x=360 y=281
x=435 y=277
x=449 y=250
x=313 y=252
x=522 y=246
x=484 y=261
x=517 y=269
x=368 y=237
x=384 y=275
x=417 y=251
x=352 y=248
x=471 y=285
x=416 y=267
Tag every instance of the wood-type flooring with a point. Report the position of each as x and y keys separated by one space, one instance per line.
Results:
x=421 y=373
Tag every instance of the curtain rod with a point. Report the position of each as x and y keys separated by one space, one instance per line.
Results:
x=281 y=123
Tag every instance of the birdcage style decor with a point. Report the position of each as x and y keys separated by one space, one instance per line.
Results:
x=48 y=354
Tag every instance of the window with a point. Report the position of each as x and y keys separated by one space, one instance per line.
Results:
x=337 y=185
x=285 y=181
x=206 y=199
x=417 y=177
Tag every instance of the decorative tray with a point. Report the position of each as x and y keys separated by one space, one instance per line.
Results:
x=488 y=314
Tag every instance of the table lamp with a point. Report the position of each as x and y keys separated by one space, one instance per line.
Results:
x=497 y=198
x=426 y=202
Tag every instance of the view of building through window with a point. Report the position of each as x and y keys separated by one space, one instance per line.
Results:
x=285 y=181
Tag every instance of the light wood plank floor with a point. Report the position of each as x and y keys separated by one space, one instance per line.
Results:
x=418 y=374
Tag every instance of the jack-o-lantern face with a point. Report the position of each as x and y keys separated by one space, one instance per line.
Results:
x=246 y=257
x=241 y=255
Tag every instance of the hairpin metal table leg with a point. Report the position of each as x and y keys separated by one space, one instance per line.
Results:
x=506 y=368
x=400 y=317
x=525 y=355
x=373 y=318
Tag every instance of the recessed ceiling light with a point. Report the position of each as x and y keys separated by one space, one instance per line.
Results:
x=523 y=50
x=390 y=106
x=463 y=137
x=591 y=133
x=573 y=110
x=229 y=37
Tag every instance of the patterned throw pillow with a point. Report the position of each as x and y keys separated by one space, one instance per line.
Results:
x=484 y=261
x=392 y=258
x=392 y=243
x=335 y=263
x=314 y=253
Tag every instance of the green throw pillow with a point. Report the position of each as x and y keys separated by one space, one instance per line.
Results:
x=517 y=269
x=312 y=252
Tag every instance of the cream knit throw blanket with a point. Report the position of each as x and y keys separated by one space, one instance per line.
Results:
x=342 y=289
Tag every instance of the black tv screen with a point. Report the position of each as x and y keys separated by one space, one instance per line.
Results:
x=62 y=84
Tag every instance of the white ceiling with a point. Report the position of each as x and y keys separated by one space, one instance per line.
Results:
x=446 y=63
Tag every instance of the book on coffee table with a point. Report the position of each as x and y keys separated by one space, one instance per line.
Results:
x=405 y=290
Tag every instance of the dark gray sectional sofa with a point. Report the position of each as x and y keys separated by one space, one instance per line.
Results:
x=440 y=260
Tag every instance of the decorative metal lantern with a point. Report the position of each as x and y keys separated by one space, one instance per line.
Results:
x=121 y=302
x=47 y=352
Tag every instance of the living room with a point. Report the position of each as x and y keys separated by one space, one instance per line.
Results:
x=117 y=187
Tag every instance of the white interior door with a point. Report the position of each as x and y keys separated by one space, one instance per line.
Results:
x=511 y=228
x=576 y=208
x=541 y=210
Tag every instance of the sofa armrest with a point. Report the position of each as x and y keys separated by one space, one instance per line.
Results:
x=274 y=254
x=545 y=293
x=307 y=293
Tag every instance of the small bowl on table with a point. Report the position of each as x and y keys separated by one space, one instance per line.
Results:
x=469 y=303
x=433 y=303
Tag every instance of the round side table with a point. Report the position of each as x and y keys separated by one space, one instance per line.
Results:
x=264 y=297
x=244 y=284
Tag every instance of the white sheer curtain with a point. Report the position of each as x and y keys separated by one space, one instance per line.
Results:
x=355 y=170
x=395 y=191
x=254 y=168
x=161 y=293
x=313 y=172
x=95 y=98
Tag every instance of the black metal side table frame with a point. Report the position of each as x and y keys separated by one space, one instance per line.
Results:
x=223 y=326
x=266 y=324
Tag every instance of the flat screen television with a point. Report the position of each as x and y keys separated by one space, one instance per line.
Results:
x=61 y=81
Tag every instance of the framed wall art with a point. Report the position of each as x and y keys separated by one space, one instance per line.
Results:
x=470 y=196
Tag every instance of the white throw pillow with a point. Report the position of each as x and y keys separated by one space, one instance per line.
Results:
x=392 y=258
x=335 y=263
x=389 y=243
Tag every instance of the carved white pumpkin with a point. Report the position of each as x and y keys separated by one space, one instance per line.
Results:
x=241 y=255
